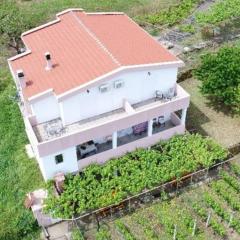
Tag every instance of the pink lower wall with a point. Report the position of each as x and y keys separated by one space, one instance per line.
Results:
x=175 y=119
x=100 y=158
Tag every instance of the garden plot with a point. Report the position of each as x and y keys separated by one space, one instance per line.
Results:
x=208 y=119
x=210 y=211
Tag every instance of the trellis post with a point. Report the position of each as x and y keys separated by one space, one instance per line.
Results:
x=98 y=224
x=111 y=211
x=129 y=205
x=194 y=227
x=208 y=219
x=230 y=219
x=177 y=188
x=175 y=232
x=207 y=178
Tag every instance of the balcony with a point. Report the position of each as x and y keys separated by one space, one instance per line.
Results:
x=130 y=142
x=52 y=136
x=128 y=138
x=54 y=128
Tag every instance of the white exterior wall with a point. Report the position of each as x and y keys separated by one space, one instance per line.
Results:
x=46 y=109
x=49 y=168
x=138 y=86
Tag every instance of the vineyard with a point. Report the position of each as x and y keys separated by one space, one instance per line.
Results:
x=211 y=211
x=101 y=185
x=221 y=11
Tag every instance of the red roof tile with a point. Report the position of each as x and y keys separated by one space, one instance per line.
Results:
x=83 y=47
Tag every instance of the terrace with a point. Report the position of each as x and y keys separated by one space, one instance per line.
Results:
x=129 y=138
x=55 y=128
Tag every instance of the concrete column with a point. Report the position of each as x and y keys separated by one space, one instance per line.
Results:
x=114 y=140
x=184 y=114
x=150 y=127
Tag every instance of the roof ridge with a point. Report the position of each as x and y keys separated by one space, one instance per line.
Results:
x=96 y=39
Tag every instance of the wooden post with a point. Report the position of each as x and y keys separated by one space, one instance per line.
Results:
x=177 y=188
x=207 y=175
x=230 y=220
x=98 y=225
x=208 y=219
x=175 y=232
x=194 y=227
x=111 y=211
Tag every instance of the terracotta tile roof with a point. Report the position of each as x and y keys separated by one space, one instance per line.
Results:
x=83 y=47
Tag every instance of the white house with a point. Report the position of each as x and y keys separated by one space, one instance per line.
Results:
x=94 y=86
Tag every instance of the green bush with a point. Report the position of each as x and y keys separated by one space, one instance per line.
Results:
x=187 y=28
x=124 y=230
x=103 y=234
x=76 y=234
x=102 y=185
x=220 y=76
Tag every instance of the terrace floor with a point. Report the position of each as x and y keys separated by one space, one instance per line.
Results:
x=54 y=128
x=150 y=102
x=129 y=138
x=43 y=130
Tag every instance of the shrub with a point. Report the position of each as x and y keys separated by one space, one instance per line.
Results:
x=220 y=76
x=103 y=234
x=187 y=28
x=76 y=234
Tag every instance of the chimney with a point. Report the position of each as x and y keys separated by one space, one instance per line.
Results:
x=49 y=62
x=21 y=78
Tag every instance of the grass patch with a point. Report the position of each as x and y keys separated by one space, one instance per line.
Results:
x=209 y=119
x=19 y=174
x=47 y=9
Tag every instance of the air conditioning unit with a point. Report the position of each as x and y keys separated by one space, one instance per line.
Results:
x=104 y=88
x=118 y=84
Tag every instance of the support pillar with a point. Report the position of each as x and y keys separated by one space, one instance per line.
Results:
x=114 y=140
x=184 y=114
x=150 y=128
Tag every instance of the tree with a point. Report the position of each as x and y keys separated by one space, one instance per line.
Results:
x=14 y=20
x=220 y=76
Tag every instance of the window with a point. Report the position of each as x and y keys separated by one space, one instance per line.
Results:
x=104 y=88
x=118 y=84
x=59 y=159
